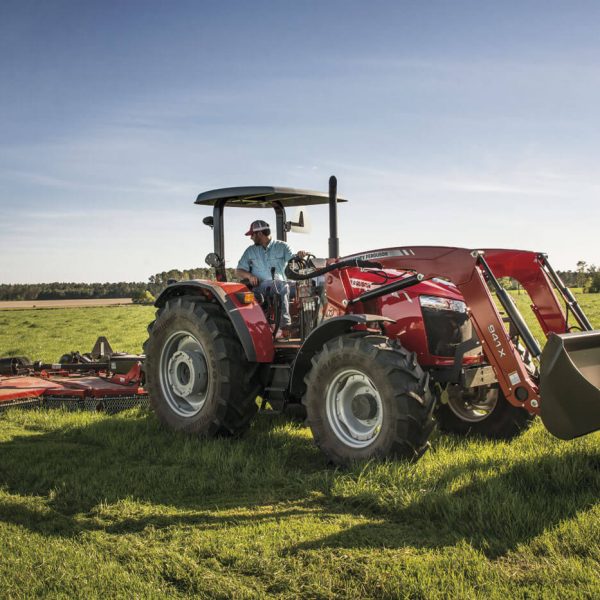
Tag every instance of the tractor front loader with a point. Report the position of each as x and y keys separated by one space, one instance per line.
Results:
x=568 y=378
x=386 y=342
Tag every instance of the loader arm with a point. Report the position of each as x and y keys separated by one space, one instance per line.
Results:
x=528 y=269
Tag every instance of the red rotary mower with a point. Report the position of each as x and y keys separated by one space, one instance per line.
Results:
x=387 y=343
x=101 y=380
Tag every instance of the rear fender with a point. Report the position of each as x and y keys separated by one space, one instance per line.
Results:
x=329 y=329
x=248 y=320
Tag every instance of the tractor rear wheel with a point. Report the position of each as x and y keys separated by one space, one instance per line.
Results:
x=481 y=411
x=197 y=375
x=368 y=398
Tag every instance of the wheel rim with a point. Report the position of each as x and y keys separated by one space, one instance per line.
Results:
x=475 y=408
x=183 y=373
x=354 y=408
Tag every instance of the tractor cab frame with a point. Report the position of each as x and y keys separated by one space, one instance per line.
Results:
x=277 y=198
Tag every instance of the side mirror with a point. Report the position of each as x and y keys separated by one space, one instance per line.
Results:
x=298 y=225
x=213 y=260
x=209 y=221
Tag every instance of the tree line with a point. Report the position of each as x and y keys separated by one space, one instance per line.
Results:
x=585 y=276
x=139 y=291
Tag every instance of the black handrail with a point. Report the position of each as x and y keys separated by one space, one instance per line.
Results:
x=389 y=288
x=342 y=264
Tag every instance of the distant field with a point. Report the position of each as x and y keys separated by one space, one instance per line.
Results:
x=14 y=304
x=47 y=334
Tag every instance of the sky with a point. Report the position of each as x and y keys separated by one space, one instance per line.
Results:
x=471 y=124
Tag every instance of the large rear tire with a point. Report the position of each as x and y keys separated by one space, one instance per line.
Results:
x=483 y=412
x=197 y=375
x=368 y=398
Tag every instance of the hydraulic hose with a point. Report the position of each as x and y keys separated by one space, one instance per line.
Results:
x=342 y=264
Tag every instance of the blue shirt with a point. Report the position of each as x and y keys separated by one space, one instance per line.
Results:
x=275 y=254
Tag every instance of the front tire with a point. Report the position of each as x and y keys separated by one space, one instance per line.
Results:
x=197 y=376
x=483 y=412
x=368 y=398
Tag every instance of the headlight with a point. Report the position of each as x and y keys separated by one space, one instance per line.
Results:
x=437 y=303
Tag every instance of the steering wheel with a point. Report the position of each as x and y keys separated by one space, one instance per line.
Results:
x=304 y=262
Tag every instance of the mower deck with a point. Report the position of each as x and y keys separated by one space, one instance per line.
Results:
x=82 y=391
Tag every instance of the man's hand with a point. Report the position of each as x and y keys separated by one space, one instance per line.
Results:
x=241 y=274
x=301 y=253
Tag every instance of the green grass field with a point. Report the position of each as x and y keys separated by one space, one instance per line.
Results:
x=49 y=333
x=94 y=506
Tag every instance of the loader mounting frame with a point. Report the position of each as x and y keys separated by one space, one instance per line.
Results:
x=471 y=271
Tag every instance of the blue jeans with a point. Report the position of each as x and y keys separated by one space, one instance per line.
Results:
x=282 y=288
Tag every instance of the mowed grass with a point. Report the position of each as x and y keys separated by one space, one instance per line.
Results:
x=94 y=506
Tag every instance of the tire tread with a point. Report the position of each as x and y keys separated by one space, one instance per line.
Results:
x=235 y=407
x=414 y=420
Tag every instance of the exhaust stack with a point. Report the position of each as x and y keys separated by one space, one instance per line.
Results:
x=334 y=242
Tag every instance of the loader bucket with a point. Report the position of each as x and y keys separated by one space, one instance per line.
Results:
x=570 y=384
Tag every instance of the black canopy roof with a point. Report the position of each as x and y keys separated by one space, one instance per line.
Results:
x=263 y=196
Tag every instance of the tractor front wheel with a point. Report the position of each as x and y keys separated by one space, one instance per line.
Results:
x=197 y=376
x=482 y=411
x=368 y=398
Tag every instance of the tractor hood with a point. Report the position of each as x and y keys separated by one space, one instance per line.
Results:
x=439 y=287
x=365 y=280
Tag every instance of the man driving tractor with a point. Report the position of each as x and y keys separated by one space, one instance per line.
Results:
x=263 y=265
x=373 y=368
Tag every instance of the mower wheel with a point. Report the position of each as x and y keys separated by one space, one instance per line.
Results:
x=197 y=375
x=483 y=412
x=367 y=397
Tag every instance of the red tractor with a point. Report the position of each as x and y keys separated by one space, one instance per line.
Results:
x=387 y=343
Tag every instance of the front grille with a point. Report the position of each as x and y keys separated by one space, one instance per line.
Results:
x=445 y=330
